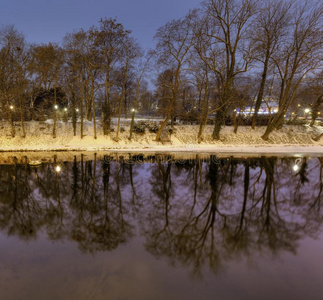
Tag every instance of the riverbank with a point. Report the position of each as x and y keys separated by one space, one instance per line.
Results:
x=290 y=139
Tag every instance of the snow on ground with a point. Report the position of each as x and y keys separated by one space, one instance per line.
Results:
x=290 y=139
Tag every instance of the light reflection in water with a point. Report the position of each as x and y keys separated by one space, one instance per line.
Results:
x=200 y=217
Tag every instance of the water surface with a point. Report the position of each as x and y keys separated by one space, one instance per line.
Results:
x=161 y=227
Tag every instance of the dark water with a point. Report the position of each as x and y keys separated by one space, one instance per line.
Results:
x=157 y=228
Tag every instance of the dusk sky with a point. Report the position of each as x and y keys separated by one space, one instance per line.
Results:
x=43 y=21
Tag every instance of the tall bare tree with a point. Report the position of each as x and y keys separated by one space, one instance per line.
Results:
x=267 y=33
x=46 y=64
x=300 y=54
x=174 y=41
x=225 y=50
x=143 y=66
x=13 y=77
x=110 y=40
x=130 y=53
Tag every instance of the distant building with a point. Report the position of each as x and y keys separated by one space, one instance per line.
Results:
x=266 y=107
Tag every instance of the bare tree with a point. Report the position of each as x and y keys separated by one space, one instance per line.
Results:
x=13 y=81
x=223 y=47
x=75 y=57
x=131 y=51
x=300 y=54
x=140 y=76
x=174 y=41
x=268 y=32
x=46 y=64
x=200 y=69
x=110 y=40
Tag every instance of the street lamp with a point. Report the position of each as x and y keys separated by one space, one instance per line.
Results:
x=57 y=169
x=11 y=107
x=56 y=106
x=306 y=111
x=65 y=109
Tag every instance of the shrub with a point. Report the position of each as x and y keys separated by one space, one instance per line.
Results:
x=139 y=127
x=152 y=127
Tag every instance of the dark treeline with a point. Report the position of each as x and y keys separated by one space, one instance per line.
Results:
x=220 y=58
x=198 y=212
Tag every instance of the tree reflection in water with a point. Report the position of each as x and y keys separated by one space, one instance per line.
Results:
x=197 y=213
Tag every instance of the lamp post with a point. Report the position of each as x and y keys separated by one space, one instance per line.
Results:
x=55 y=65
x=11 y=109
x=132 y=122
x=306 y=112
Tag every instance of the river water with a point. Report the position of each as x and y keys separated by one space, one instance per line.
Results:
x=161 y=227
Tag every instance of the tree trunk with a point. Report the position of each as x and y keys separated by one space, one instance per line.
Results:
x=164 y=123
x=204 y=117
x=55 y=110
x=93 y=106
x=272 y=125
x=261 y=91
x=11 y=123
x=132 y=124
x=134 y=108
x=222 y=110
x=81 y=106
x=106 y=110
x=120 y=101
x=22 y=118
x=171 y=104
x=219 y=121
x=74 y=118
x=315 y=109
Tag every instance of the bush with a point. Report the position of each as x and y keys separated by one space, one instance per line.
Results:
x=297 y=121
x=152 y=127
x=191 y=118
x=262 y=120
x=139 y=127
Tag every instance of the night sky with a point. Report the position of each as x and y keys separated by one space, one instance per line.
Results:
x=43 y=21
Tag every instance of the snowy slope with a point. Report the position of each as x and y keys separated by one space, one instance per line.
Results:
x=39 y=138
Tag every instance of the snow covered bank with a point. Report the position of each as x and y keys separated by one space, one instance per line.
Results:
x=290 y=139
